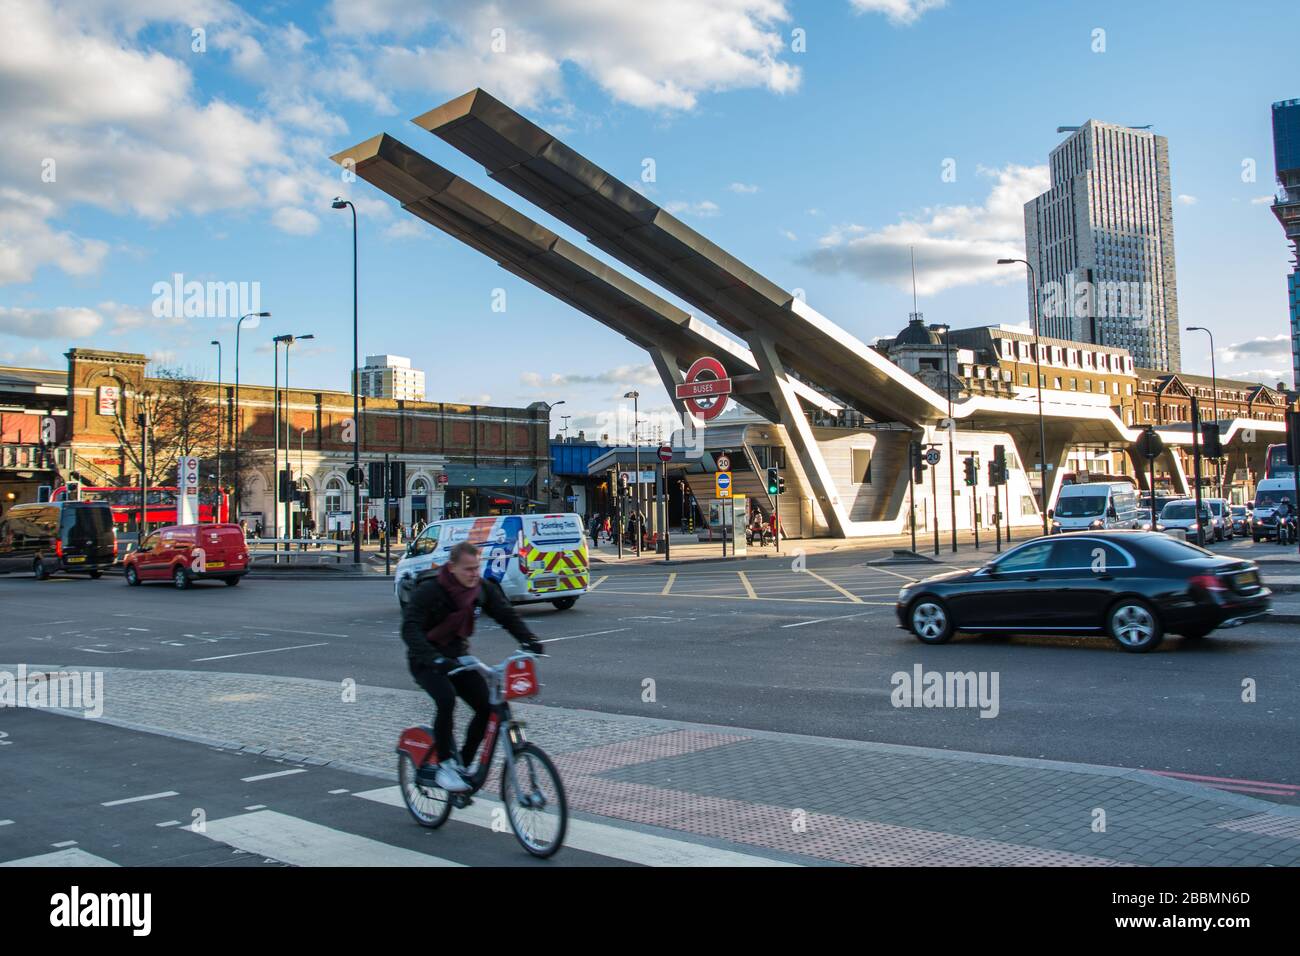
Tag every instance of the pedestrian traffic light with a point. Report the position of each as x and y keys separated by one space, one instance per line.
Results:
x=917 y=457
x=780 y=484
x=397 y=479
x=972 y=475
x=773 y=482
x=378 y=480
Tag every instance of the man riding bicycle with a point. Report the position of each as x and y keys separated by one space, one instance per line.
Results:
x=437 y=622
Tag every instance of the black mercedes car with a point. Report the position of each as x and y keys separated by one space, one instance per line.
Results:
x=1131 y=585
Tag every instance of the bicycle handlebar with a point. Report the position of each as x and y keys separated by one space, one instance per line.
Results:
x=473 y=663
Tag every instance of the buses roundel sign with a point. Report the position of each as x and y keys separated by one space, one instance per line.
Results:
x=706 y=388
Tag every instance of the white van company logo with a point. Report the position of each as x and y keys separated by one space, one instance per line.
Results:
x=74 y=908
x=205 y=300
x=61 y=690
x=923 y=688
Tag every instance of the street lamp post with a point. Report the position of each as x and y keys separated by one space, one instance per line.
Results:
x=216 y=512
x=356 y=401
x=1038 y=372
x=636 y=494
x=1214 y=386
x=239 y=489
x=952 y=455
x=288 y=341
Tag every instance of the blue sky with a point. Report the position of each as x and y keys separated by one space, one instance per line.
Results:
x=213 y=163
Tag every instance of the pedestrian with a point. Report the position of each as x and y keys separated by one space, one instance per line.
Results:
x=606 y=529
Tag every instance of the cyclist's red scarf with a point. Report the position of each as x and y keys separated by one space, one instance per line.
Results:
x=460 y=622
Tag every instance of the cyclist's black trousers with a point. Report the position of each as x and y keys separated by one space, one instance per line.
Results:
x=470 y=687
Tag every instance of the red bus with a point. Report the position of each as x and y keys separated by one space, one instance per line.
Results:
x=1275 y=465
x=160 y=509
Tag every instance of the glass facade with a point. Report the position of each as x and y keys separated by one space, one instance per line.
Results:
x=1286 y=136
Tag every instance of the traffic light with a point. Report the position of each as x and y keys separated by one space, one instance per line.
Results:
x=623 y=490
x=773 y=482
x=917 y=457
x=999 y=465
x=780 y=485
x=1211 y=446
x=377 y=480
x=286 y=484
x=1292 y=437
x=972 y=475
x=397 y=479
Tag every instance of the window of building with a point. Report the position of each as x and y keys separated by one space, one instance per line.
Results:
x=1024 y=378
x=333 y=495
x=862 y=466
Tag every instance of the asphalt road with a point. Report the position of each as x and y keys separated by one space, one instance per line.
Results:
x=810 y=652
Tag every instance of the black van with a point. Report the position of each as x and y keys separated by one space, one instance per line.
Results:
x=58 y=536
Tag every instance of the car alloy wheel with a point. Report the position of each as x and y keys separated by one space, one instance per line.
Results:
x=180 y=578
x=1134 y=626
x=132 y=578
x=930 y=621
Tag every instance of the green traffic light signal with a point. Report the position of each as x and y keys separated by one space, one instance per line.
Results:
x=773 y=482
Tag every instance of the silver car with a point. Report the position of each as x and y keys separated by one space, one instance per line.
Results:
x=1179 y=519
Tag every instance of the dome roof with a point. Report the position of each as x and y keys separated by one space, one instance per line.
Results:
x=917 y=333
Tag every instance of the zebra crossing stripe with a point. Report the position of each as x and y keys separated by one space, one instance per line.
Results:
x=73 y=856
x=298 y=842
x=619 y=843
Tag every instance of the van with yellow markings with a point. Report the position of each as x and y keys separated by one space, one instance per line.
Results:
x=535 y=558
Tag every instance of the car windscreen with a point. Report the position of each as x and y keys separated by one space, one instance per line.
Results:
x=1179 y=511
x=1270 y=499
x=1162 y=548
x=1081 y=506
x=92 y=522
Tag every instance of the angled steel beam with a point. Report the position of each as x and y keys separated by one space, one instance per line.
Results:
x=617 y=219
x=544 y=259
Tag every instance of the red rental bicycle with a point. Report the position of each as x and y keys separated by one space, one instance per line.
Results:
x=531 y=791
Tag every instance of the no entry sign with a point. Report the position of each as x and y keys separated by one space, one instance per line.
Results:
x=665 y=453
x=706 y=388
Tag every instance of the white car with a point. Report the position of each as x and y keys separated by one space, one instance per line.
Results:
x=1179 y=518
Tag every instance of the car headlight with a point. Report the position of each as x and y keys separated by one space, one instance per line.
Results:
x=1097 y=524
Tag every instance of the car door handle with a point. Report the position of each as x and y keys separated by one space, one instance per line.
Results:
x=1031 y=577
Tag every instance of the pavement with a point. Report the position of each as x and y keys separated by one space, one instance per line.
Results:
x=769 y=797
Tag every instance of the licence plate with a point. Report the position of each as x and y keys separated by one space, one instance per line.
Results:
x=540 y=583
x=216 y=564
x=76 y=560
x=1249 y=579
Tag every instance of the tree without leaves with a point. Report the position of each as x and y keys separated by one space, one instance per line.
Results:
x=184 y=420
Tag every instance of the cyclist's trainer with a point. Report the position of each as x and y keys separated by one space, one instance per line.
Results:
x=436 y=626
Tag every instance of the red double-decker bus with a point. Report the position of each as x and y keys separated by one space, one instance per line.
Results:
x=1275 y=465
x=160 y=508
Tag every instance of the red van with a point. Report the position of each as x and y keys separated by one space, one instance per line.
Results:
x=187 y=553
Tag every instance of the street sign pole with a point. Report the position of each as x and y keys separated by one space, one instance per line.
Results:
x=934 y=492
x=388 y=530
x=1196 y=468
x=776 y=512
x=663 y=526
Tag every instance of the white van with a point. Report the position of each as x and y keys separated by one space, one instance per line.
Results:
x=1268 y=493
x=1094 y=506
x=533 y=557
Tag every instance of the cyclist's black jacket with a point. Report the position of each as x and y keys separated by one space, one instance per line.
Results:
x=429 y=604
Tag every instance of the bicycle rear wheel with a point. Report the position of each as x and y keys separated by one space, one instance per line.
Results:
x=429 y=805
x=534 y=800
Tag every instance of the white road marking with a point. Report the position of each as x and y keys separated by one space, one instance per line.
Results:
x=168 y=823
x=668 y=585
x=749 y=588
x=285 y=630
x=842 y=617
x=618 y=843
x=76 y=857
x=145 y=629
x=273 y=650
x=64 y=843
x=595 y=584
x=905 y=577
x=333 y=792
x=828 y=582
x=303 y=843
x=256 y=806
x=147 y=796
x=6 y=823
x=571 y=637
x=271 y=776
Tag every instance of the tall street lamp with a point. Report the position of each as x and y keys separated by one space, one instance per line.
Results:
x=288 y=341
x=636 y=495
x=952 y=455
x=1214 y=385
x=216 y=512
x=239 y=489
x=356 y=400
x=1038 y=371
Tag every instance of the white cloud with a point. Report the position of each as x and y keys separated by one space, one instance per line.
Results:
x=297 y=222
x=704 y=209
x=1186 y=200
x=33 y=357
x=58 y=323
x=955 y=245
x=899 y=12
x=622 y=375
x=409 y=228
x=655 y=56
x=789 y=235
x=742 y=188
x=28 y=241
x=1262 y=346
x=1262 y=201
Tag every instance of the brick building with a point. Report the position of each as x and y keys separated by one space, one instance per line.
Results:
x=460 y=459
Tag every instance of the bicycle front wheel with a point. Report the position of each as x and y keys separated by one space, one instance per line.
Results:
x=534 y=800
